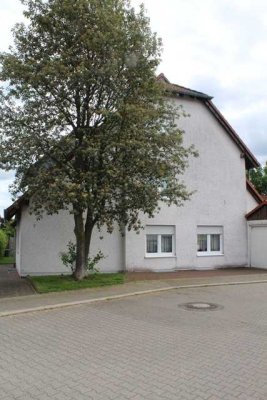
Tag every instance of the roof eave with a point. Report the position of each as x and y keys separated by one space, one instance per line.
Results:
x=251 y=161
x=181 y=91
x=15 y=208
x=174 y=93
x=254 y=193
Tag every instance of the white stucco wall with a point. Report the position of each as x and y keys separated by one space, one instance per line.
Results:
x=251 y=202
x=42 y=241
x=221 y=199
x=218 y=176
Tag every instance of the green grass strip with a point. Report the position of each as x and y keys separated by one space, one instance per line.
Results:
x=59 y=283
x=7 y=260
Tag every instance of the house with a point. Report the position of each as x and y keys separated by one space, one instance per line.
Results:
x=209 y=231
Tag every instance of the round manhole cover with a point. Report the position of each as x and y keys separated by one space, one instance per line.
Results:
x=199 y=306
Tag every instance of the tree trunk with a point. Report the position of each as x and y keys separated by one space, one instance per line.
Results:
x=83 y=234
x=80 y=265
x=89 y=226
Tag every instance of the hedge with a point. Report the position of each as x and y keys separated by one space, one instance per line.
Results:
x=3 y=242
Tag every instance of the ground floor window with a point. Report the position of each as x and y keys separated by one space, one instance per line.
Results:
x=209 y=240
x=159 y=240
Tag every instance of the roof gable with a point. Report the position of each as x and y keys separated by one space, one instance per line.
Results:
x=177 y=90
x=250 y=159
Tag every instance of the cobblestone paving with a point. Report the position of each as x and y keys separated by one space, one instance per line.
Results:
x=140 y=348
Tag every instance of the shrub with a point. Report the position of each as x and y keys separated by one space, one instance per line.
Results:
x=68 y=259
x=3 y=242
x=9 y=229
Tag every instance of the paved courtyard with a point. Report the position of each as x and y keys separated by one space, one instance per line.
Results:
x=145 y=347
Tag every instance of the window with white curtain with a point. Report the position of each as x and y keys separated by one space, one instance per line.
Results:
x=209 y=240
x=159 y=240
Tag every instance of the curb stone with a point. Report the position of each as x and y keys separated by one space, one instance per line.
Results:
x=121 y=296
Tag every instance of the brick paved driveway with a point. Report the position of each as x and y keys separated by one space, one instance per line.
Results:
x=141 y=348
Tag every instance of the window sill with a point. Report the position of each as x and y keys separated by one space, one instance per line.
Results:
x=160 y=255
x=209 y=254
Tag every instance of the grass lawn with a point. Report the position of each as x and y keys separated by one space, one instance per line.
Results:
x=58 y=283
x=7 y=260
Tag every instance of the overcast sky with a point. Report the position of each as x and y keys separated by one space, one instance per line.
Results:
x=215 y=46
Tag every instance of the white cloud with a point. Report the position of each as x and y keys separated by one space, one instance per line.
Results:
x=10 y=14
x=219 y=47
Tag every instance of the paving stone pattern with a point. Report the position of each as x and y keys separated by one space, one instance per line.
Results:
x=11 y=284
x=144 y=347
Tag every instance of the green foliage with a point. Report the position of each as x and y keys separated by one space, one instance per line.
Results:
x=93 y=261
x=258 y=177
x=84 y=121
x=9 y=229
x=3 y=242
x=68 y=259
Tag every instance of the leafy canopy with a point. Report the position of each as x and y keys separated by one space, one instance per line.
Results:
x=82 y=118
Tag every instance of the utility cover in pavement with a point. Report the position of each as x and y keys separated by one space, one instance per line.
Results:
x=199 y=306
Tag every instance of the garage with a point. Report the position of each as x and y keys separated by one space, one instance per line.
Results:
x=257 y=235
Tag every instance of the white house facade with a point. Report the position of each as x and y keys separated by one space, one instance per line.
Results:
x=209 y=231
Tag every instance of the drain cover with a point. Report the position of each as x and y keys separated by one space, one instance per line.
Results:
x=199 y=306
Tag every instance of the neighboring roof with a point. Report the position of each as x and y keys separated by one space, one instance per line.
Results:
x=259 y=212
x=181 y=90
x=15 y=207
x=253 y=191
x=251 y=161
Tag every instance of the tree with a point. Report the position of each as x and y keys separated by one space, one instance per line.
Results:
x=258 y=177
x=84 y=121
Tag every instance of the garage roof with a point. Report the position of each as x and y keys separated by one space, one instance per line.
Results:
x=258 y=213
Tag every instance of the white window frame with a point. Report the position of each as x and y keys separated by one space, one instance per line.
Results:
x=160 y=231
x=208 y=231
